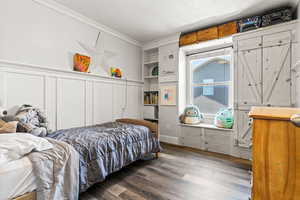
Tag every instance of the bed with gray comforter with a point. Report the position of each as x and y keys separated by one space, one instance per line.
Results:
x=106 y=148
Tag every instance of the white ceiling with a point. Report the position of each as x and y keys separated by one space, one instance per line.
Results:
x=146 y=20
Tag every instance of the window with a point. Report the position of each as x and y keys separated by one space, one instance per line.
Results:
x=209 y=81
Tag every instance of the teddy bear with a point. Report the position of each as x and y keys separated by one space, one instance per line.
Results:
x=30 y=120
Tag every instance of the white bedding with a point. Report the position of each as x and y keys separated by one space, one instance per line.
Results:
x=16 y=178
x=14 y=146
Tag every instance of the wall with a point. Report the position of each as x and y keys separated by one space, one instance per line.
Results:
x=35 y=34
x=37 y=46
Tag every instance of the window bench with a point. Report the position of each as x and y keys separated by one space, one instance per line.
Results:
x=205 y=125
x=207 y=137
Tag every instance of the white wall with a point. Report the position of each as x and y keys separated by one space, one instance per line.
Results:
x=37 y=44
x=35 y=34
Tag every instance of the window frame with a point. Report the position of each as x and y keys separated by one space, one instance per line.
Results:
x=189 y=77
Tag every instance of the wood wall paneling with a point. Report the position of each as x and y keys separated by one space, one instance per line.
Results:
x=68 y=99
x=102 y=101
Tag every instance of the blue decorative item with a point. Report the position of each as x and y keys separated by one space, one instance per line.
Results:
x=191 y=115
x=224 y=118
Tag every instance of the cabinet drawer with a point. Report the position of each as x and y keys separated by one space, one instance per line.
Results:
x=194 y=142
x=217 y=137
x=190 y=132
x=217 y=141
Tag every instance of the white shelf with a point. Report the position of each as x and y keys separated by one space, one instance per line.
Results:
x=151 y=63
x=204 y=125
x=151 y=91
x=150 y=77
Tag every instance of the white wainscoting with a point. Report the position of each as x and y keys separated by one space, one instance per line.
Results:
x=70 y=99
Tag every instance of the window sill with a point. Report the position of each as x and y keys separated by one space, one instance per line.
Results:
x=204 y=125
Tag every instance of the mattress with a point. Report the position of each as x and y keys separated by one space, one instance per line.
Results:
x=16 y=178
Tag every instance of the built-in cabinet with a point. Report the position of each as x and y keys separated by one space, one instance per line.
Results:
x=168 y=59
x=263 y=74
x=206 y=138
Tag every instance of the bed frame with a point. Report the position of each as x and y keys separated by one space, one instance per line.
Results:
x=152 y=126
x=27 y=196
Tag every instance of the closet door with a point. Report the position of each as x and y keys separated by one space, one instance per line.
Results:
x=249 y=61
x=277 y=69
x=244 y=128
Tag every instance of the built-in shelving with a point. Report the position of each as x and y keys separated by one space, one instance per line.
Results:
x=151 y=90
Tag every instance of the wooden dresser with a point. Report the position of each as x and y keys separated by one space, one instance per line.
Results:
x=276 y=154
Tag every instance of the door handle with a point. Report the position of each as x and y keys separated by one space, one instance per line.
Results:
x=295 y=119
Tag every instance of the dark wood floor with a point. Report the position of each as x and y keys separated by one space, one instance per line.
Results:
x=179 y=174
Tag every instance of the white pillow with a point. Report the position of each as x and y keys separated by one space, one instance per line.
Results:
x=14 y=146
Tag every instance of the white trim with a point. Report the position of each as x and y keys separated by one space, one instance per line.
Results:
x=161 y=42
x=82 y=18
x=54 y=72
x=210 y=54
x=169 y=139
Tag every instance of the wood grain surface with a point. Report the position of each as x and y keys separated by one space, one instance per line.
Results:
x=179 y=174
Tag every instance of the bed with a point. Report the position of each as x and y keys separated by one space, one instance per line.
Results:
x=106 y=148
x=10 y=182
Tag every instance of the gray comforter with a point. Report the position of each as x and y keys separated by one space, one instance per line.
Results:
x=57 y=172
x=106 y=148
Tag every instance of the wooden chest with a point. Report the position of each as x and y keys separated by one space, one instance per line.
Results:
x=276 y=154
x=227 y=29
x=189 y=38
x=207 y=34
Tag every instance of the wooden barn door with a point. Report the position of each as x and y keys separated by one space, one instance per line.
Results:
x=277 y=69
x=249 y=62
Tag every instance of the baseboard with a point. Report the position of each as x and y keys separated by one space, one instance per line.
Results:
x=169 y=139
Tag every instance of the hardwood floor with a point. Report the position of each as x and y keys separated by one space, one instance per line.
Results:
x=179 y=174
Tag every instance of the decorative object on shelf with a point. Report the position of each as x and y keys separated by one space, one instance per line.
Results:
x=191 y=115
x=277 y=16
x=151 y=98
x=250 y=23
x=168 y=95
x=81 y=62
x=154 y=71
x=224 y=118
x=207 y=34
x=99 y=57
x=115 y=72
x=227 y=29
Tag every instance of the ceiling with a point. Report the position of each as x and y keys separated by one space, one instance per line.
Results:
x=146 y=20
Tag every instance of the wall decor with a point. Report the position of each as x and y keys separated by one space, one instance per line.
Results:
x=168 y=95
x=154 y=71
x=115 y=72
x=81 y=62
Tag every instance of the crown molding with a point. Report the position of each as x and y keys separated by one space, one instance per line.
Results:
x=163 y=41
x=84 y=19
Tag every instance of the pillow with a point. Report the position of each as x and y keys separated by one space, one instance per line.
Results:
x=8 y=127
x=14 y=146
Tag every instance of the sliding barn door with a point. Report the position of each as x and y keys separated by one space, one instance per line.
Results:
x=277 y=69
x=249 y=64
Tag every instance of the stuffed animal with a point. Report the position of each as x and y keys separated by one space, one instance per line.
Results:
x=3 y=112
x=191 y=115
x=32 y=120
x=224 y=118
